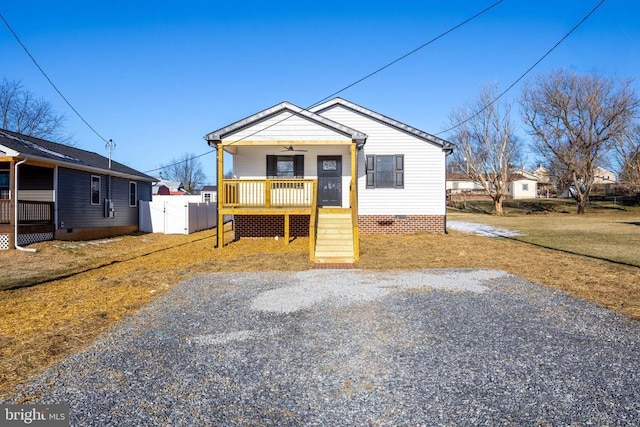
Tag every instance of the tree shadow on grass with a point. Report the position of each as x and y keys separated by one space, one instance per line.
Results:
x=566 y=251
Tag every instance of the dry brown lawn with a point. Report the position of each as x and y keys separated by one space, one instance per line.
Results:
x=41 y=324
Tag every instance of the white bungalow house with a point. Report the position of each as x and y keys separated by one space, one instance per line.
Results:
x=330 y=173
x=523 y=185
x=604 y=176
x=460 y=183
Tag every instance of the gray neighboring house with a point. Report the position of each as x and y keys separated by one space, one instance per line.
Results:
x=54 y=191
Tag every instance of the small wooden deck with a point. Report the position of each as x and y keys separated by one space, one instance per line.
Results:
x=286 y=197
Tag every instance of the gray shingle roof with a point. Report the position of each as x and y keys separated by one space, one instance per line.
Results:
x=64 y=155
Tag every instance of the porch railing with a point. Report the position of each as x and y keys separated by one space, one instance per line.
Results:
x=5 y=211
x=29 y=212
x=267 y=193
x=353 y=200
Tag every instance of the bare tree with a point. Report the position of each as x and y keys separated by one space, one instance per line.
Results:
x=186 y=170
x=21 y=111
x=573 y=120
x=627 y=154
x=486 y=145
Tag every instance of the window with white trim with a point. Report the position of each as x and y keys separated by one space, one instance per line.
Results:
x=95 y=190
x=133 y=194
x=385 y=171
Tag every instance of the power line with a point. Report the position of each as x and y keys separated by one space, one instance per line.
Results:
x=180 y=162
x=452 y=29
x=380 y=69
x=360 y=80
x=535 y=64
x=49 y=80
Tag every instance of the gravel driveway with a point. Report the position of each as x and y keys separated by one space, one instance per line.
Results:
x=352 y=347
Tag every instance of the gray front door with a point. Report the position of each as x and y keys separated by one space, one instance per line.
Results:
x=330 y=180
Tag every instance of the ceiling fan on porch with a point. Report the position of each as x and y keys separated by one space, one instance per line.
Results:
x=291 y=149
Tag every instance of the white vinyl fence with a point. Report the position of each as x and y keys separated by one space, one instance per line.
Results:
x=176 y=215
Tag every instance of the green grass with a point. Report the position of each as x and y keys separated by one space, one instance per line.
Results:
x=607 y=231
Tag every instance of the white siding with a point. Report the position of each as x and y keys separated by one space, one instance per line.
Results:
x=424 y=174
x=462 y=185
x=518 y=191
x=285 y=127
x=250 y=162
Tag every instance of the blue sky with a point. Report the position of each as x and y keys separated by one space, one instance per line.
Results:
x=157 y=76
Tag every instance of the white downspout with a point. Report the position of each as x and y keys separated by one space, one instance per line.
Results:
x=15 y=195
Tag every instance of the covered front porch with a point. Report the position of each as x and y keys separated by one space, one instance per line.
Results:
x=289 y=163
x=33 y=219
x=300 y=180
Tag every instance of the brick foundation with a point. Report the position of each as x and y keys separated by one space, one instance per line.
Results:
x=400 y=224
x=270 y=225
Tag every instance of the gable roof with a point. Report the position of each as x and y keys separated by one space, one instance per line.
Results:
x=218 y=135
x=519 y=176
x=172 y=185
x=17 y=145
x=454 y=176
x=445 y=145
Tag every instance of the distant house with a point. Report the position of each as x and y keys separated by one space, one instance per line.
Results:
x=604 y=176
x=546 y=187
x=164 y=187
x=209 y=193
x=54 y=191
x=604 y=183
x=330 y=173
x=459 y=183
x=523 y=185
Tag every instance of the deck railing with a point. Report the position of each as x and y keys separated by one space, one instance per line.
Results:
x=5 y=211
x=267 y=193
x=29 y=212
x=313 y=224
